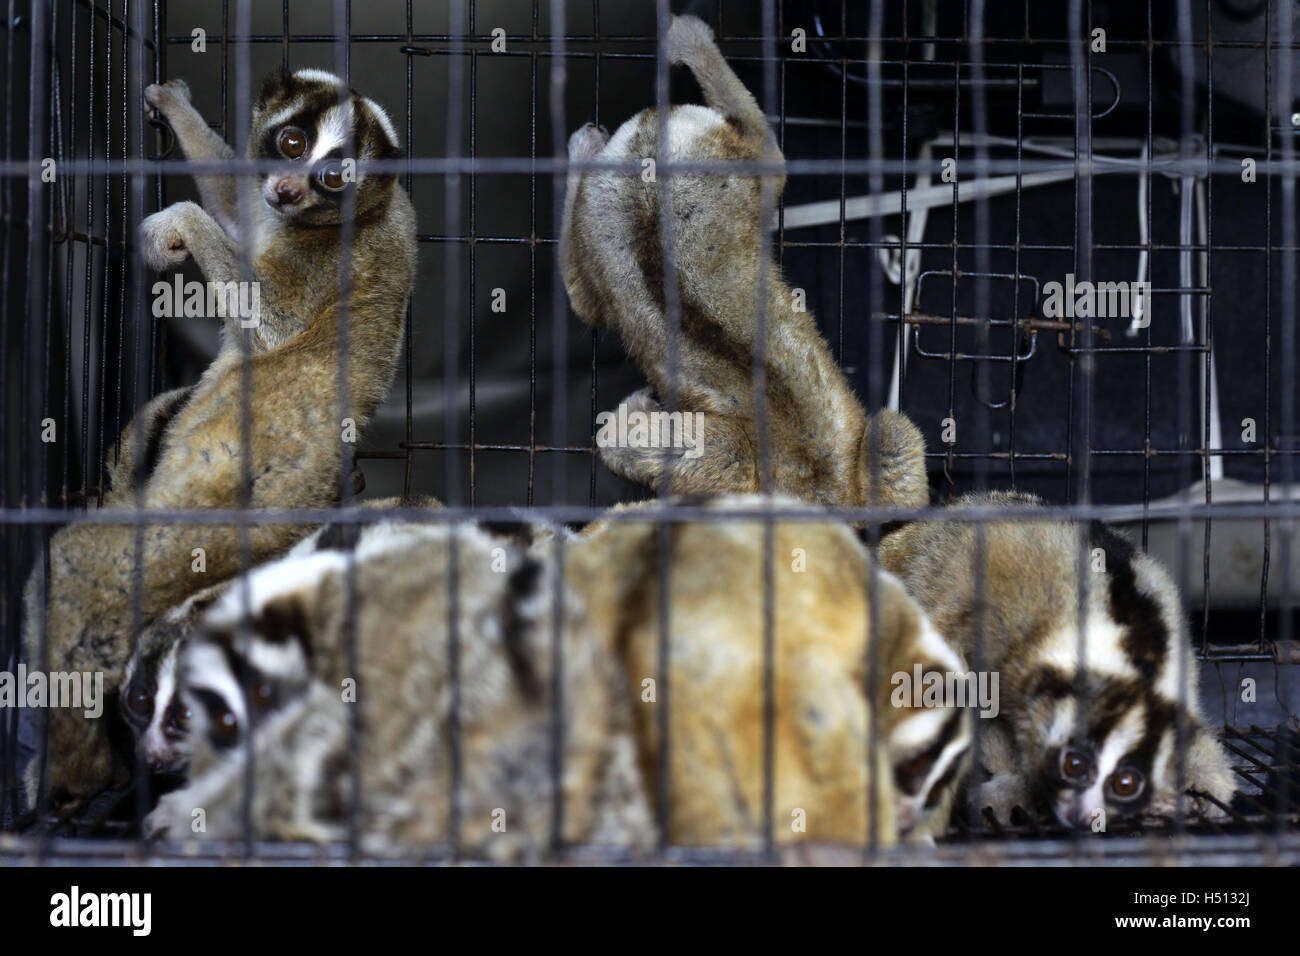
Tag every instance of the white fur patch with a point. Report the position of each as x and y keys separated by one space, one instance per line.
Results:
x=382 y=118
x=333 y=130
x=931 y=641
x=277 y=120
x=164 y=692
x=1102 y=653
x=319 y=76
x=286 y=576
x=1122 y=739
x=687 y=124
x=205 y=667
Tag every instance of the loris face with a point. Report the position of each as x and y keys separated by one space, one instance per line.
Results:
x=1116 y=755
x=314 y=120
x=152 y=706
x=1104 y=737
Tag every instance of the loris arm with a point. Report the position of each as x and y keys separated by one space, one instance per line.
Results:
x=199 y=142
x=184 y=229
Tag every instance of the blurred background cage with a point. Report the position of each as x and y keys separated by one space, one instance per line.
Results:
x=947 y=161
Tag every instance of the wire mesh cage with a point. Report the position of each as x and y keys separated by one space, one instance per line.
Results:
x=1060 y=238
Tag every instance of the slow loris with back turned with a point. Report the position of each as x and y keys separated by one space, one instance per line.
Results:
x=824 y=448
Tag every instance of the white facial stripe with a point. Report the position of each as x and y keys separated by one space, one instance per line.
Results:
x=1163 y=766
x=279 y=119
x=920 y=729
x=333 y=130
x=1123 y=738
x=1062 y=722
x=1102 y=653
x=164 y=694
x=205 y=668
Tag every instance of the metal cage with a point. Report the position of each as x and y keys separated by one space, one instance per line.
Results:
x=945 y=163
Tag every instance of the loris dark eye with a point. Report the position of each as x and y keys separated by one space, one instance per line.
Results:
x=1125 y=784
x=1075 y=765
x=263 y=695
x=223 y=724
x=331 y=176
x=225 y=727
x=178 y=718
x=139 y=703
x=292 y=142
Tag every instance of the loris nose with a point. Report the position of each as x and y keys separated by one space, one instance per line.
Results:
x=287 y=193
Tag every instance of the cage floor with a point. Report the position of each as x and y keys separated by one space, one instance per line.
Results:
x=1262 y=827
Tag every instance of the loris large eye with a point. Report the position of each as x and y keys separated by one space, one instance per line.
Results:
x=1125 y=784
x=178 y=718
x=139 y=703
x=1075 y=765
x=292 y=142
x=225 y=727
x=223 y=724
x=331 y=176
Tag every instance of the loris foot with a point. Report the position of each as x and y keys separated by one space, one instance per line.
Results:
x=587 y=141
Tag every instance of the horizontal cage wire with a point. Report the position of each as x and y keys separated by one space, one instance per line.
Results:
x=1060 y=238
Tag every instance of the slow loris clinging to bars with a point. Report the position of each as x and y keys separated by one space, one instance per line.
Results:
x=187 y=448
x=824 y=447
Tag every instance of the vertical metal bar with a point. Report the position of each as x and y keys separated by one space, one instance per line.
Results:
x=473 y=275
x=343 y=66
x=672 y=306
x=451 y=379
x=979 y=120
x=159 y=68
x=595 y=341
x=950 y=463
x=408 y=465
x=1080 y=405
x=559 y=378
x=876 y=186
x=762 y=333
x=10 y=608
x=1207 y=377
x=88 y=289
x=244 y=99
x=1187 y=402
x=1267 y=450
x=532 y=264
x=32 y=489
x=1285 y=90
x=141 y=367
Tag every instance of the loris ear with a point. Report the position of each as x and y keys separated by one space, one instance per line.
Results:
x=273 y=83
